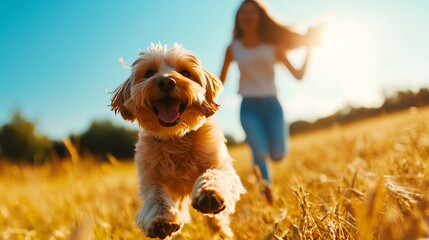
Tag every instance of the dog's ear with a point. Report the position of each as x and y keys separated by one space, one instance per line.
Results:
x=213 y=88
x=120 y=96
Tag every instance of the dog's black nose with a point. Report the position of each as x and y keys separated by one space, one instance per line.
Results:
x=166 y=84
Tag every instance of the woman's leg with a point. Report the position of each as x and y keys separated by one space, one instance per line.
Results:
x=255 y=135
x=277 y=132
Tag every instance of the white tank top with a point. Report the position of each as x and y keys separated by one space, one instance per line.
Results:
x=256 y=69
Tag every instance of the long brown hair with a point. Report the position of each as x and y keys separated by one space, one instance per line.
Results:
x=269 y=30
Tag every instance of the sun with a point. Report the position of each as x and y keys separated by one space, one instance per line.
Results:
x=349 y=40
x=350 y=55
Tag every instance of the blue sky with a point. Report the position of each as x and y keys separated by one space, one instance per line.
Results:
x=59 y=59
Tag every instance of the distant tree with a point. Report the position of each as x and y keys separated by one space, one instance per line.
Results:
x=423 y=97
x=300 y=126
x=104 y=137
x=230 y=140
x=20 y=142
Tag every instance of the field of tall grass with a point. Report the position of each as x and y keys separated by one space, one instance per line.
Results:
x=367 y=180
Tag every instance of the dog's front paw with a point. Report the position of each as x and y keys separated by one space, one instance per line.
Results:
x=160 y=226
x=162 y=230
x=208 y=201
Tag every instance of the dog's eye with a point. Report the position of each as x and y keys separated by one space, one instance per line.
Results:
x=149 y=74
x=185 y=73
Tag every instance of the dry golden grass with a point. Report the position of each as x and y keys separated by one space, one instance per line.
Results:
x=368 y=180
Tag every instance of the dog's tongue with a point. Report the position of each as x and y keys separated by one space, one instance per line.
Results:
x=168 y=110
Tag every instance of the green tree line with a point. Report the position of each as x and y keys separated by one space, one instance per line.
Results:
x=397 y=102
x=20 y=142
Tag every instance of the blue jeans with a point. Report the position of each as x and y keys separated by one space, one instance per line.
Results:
x=263 y=122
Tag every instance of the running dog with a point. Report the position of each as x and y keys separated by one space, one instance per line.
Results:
x=181 y=154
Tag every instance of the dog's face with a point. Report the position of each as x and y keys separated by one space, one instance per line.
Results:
x=168 y=92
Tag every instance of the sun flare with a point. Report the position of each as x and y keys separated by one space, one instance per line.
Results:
x=349 y=57
x=349 y=42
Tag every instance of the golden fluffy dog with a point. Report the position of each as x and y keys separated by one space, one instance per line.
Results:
x=180 y=152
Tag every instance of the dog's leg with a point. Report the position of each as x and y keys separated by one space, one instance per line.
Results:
x=159 y=216
x=217 y=190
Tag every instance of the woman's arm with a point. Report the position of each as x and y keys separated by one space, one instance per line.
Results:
x=226 y=63
x=297 y=73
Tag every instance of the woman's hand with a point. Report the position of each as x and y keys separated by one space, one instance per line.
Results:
x=314 y=36
x=297 y=73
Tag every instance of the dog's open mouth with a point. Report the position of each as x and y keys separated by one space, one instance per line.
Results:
x=168 y=110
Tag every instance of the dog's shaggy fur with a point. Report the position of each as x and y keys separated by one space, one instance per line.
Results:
x=180 y=152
